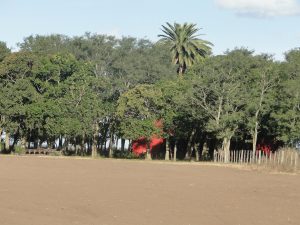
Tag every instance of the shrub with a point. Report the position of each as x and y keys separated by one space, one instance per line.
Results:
x=19 y=150
x=127 y=155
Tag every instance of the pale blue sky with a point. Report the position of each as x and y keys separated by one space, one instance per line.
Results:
x=263 y=25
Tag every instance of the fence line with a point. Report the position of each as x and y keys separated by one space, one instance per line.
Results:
x=285 y=159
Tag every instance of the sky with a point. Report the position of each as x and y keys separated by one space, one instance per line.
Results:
x=266 y=26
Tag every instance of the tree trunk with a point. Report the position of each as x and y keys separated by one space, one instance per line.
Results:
x=40 y=143
x=23 y=142
x=122 y=145
x=254 y=140
x=116 y=143
x=65 y=145
x=189 y=146
x=196 y=147
x=89 y=145
x=60 y=142
x=111 y=141
x=82 y=146
x=167 y=155
x=95 y=141
x=148 y=153
x=130 y=146
x=35 y=142
x=104 y=140
x=180 y=71
x=257 y=113
x=7 y=138
x=175 y=152
x=16 y=138
x=0 y=139
x=219 y=110
x=226 y=149
x=94 y=147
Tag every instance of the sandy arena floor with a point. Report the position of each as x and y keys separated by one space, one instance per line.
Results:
x=66 y=191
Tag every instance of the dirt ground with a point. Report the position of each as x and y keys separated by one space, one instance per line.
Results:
x=66 y=191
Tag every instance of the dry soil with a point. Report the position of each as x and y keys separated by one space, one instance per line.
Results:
x=67 y=191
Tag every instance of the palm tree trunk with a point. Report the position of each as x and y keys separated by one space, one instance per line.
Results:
x=180 y=72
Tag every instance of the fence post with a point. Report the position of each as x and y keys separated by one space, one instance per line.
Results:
x=223 y=156
x=282 y=158
x=296 y=161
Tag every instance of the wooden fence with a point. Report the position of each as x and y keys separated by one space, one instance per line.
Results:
x=284 y=159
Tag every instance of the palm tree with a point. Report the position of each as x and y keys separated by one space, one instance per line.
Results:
x=186 y=47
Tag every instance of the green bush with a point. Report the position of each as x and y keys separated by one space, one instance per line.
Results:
x=127 y=155
x=56 y=153
x=19 y=150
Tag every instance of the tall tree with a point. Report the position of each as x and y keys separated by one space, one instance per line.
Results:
x=186 y=47
x=218 y=88
x=138 y=109
x=261 y=84
x=286 y=111
x=16 y=91
x=4 y=50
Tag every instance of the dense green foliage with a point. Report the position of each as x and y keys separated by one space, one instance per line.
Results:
x=77 y=94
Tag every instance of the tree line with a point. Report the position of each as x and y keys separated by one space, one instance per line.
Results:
x=88 y=90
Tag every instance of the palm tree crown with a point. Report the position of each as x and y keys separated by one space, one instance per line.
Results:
x=186 y=47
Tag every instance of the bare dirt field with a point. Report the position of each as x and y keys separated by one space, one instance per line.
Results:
x=66 y=191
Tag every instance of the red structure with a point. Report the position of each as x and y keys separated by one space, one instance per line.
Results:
x=266 y=149
x=156 y=143
x=267 y=146
x=140 y=146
